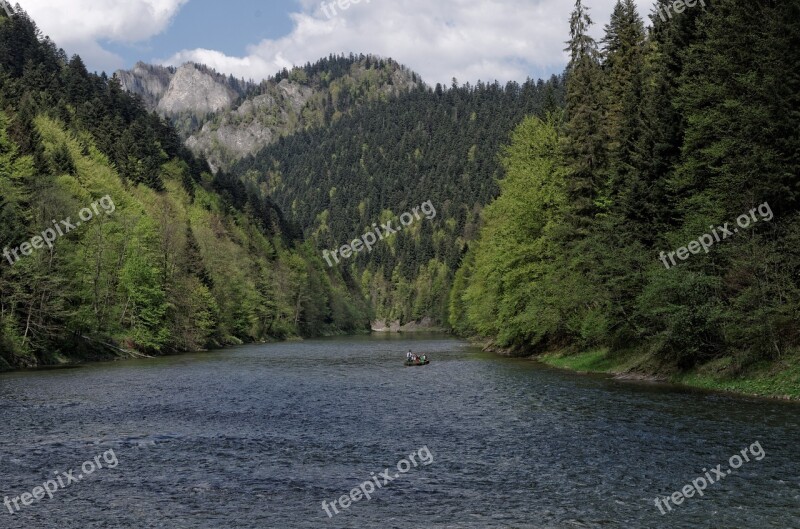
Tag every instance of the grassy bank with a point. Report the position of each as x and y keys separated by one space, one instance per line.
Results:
x=777 y=379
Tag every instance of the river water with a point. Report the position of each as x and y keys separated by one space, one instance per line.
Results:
x=259 y=436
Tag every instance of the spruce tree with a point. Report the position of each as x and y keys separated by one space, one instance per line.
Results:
x=584 y=145
x=623 y=61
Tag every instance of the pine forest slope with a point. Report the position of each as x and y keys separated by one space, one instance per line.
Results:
x=181 y=260
x=430 y=144
x=223 y=118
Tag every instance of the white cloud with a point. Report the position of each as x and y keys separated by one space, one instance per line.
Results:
x=440 y=39
x=79 y=25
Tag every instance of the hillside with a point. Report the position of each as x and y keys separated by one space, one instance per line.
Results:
x=328 y=143
x=118 y=241
x=224 y=119
x=654 y=224
x=431 y=144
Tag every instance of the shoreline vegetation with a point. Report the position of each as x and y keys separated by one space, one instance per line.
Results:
x=106 y=352
x=657 y=152
x=93 y=350
x=776 y=379
x=779 y=379
x=189 y=260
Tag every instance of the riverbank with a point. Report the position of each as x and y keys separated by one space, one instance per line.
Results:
x=74 y=350
x=82 y=350
x=424 y=325
x=779 y=379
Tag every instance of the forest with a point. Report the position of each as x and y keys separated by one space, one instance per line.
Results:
x=667 y=132
x=430 y=144
x=556 y=203
x=188 y=260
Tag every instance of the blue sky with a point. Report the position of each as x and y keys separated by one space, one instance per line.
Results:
x=470 y=40
x=213 y=25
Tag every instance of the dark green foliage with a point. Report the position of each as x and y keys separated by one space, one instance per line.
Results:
x=387 y=158
x=667 y=136
x=585 y=139
x=62 y=160
x=184 y=260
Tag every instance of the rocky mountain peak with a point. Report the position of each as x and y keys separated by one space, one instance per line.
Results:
x=225 y=119
x=191 y=89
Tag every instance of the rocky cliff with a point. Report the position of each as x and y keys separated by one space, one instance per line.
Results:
x=225 y=119
x=191 y=88
x=147 y=81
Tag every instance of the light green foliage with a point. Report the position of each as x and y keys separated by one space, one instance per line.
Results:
x=161 y=272
x=146 y=307
x=511 y=292
x=666 y=137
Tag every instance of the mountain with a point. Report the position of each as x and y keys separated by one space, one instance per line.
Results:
x=328 y=144
x=224 y=119
x=429 y=145
x=190 y=88
x=117 y=241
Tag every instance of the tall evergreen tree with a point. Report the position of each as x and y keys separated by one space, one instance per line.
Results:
x=585 y=138
x=623 y=62
x=663 y=124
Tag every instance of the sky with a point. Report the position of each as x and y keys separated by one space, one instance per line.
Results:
x=469 y=40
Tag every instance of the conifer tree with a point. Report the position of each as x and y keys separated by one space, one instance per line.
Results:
x=623 y=61
x=584 y=145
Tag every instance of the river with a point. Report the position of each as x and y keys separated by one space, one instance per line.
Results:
x=259 y=436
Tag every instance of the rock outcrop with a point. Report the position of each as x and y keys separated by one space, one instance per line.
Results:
x=426 y=324
x=147 y=81
x=225 y=119
x=191 y=90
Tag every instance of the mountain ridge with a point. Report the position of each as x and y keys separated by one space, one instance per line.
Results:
x=225 y=119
